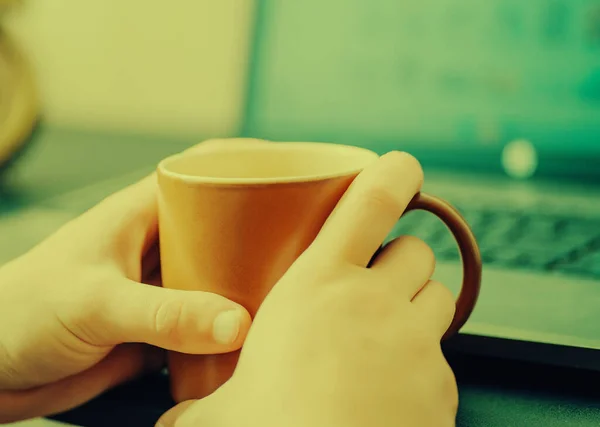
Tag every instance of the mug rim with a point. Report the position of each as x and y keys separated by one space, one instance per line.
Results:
x=331 y=148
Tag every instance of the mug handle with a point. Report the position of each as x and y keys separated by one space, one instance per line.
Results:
x=469 y=252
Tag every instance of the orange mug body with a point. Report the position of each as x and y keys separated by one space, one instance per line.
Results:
x=233 y=220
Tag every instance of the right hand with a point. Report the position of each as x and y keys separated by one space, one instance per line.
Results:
x=338 y=344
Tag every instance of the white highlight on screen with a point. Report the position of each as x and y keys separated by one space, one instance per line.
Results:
x=520 y=159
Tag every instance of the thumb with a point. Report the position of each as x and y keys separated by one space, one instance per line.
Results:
x=191 y=322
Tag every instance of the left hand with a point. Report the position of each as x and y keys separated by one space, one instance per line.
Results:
x=68 y=307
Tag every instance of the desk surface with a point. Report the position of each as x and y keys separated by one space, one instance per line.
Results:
x=65 y=172
x=493 y=393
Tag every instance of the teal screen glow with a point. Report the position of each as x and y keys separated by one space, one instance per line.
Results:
x=426 y=72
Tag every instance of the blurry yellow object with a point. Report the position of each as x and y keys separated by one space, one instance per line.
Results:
x=18 y=95
x=18 y=98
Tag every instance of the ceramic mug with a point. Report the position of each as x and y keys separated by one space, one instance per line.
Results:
x=233 y=220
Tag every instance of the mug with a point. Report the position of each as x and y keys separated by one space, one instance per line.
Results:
x=232 y=221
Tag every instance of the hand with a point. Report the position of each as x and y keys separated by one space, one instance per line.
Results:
x=338 y=344
x=68 y=306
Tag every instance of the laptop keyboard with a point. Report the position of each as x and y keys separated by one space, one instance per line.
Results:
x=532 y=241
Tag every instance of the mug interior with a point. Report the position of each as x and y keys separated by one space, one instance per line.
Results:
x=268 y=162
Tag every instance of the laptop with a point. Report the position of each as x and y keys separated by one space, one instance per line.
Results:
x=500 y=100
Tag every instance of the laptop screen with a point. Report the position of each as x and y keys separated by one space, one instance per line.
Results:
x=427 y=74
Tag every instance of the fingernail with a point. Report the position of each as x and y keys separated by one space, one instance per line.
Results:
x=226 y=326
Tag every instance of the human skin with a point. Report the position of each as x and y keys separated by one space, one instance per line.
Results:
x=77 y=314
x=338 y=344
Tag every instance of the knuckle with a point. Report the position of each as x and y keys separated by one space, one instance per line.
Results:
x=419 y=247
x=363 y=302
x=314 y=268
x=420 y=251
x=382 y=197
x=407 y=163
x=87 y=302
x=380 y=189
x=168 y=318
x=82 y=309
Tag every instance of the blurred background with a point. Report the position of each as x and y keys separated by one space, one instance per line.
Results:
x=94 y=91
x=141 y=66
x=444 y=73
x=93 y=94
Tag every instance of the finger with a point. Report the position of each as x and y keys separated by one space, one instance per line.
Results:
x=408 y=262
x=175 y=414
x=437 y=304
x=121 y=365
x=185 y=321
x=370 y=208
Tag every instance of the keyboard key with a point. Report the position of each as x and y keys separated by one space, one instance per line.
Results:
x=419 y=224
x=536 y=240
x=590 y=263
x=542 y=257
x=442 y=240
x=447 y=254
x=578 y=230
x=475 y=218
x=554 y=250
x=488 y=256
x=541 y=228
x=497 y=233
x=508 y=257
